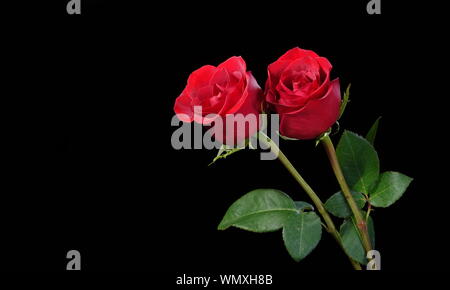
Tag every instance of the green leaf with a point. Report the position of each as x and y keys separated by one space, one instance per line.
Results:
x=359 y=161
x=373 y=132
x=338 y=206
x=302 y=206
x=225 y=151
x=266 y=210
x=301 y=234
x=345 y=100
x=389 y=189
x=351 y=240
x=260 y=210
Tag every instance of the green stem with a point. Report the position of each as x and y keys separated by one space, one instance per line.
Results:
x=361 y=222
x=331 y=228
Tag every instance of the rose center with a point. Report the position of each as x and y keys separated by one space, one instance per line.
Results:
x=303 y=81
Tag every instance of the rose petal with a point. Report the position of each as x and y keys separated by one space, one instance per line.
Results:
x=276 y=68
x=209 y=98
x=234 y=63
x=305 y=63
x=183 y=107
x=315 y=117
x=200 y=77
x=249 y=104
x=290 y=99
x=293 y=60
x=324 y=64
x=220 y=78
x=295 y=53
x=274 y=71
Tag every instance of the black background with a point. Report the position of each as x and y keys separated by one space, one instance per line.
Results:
x=89 y=163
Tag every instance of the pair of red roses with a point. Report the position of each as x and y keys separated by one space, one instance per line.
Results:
x=298 y=88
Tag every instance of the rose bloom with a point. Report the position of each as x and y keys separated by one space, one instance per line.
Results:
x=215 y=92
x=299 y=89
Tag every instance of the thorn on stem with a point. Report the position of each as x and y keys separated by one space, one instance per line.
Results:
x=362 y=226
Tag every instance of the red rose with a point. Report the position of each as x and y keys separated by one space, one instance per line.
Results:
x=300 y=91
x=215 y=92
